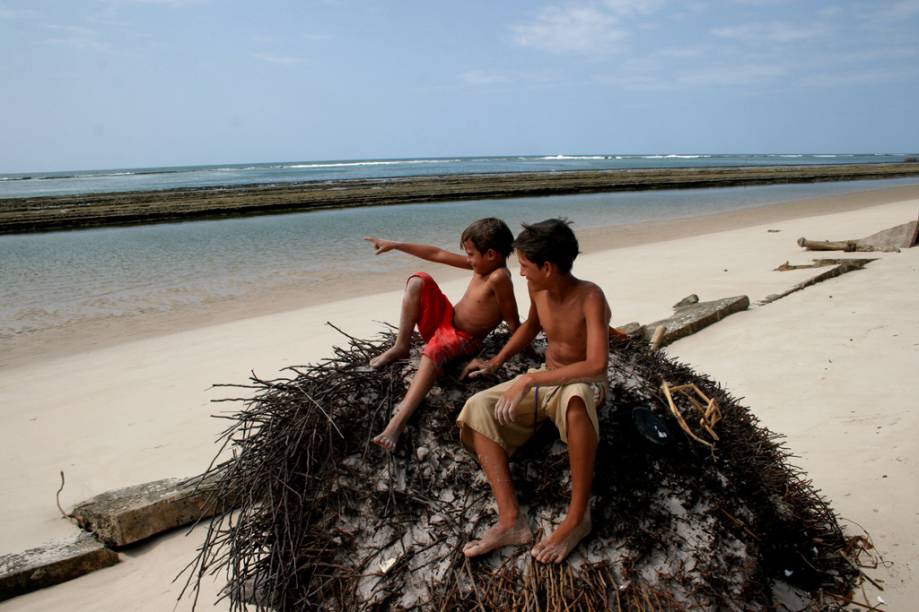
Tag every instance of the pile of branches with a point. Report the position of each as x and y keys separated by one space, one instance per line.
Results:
x=323 y=518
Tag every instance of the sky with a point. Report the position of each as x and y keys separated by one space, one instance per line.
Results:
x=88 y=84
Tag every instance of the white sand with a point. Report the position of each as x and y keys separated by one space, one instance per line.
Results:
x=832 y=367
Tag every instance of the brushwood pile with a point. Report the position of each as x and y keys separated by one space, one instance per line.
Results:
x=324 y=519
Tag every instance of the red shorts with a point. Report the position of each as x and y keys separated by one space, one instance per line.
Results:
x=443 y=342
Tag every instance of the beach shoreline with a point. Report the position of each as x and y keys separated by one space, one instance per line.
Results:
x=94 y=333
x=67 y=212
x=831 y=368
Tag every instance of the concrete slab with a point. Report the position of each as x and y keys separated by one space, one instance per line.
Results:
x=689 y=319
x=132 y=514
x=52 y=564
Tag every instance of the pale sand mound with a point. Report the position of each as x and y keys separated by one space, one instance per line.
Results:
x=329 y=520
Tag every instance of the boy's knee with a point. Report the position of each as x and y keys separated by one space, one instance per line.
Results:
x=577 y=409
x=413 y=286
x=578 y=418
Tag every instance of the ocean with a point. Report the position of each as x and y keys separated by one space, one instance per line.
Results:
x=57 y=279
x=143 y=179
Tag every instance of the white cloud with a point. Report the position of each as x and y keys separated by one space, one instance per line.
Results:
x=479 y=77
x=775 y=32
x=762 y=2
x=879 y=53
x=627 y=7
x=867 y=77
x=72 y=30
x=682 y=52
x=174 y=3
x=830 y=11
x=285 y=60
x=635 y=81
x=740 y=74
x=904 y=8
x=77 y=37
x=572 y=29
x=483 y=77
x=77 y=42
x=8 y=13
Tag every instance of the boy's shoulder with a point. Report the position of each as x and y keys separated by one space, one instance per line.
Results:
x=589 y=287
x=500 y=274
x=590 y=292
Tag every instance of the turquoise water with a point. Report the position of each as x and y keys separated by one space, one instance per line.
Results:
x=52 y=279
x=141 y=179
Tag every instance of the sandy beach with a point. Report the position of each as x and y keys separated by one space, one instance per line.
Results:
x=831 y=367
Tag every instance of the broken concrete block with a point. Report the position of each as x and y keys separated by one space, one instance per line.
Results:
x=693 y=317
x=131 y=514
x=632 y=330
x=690 y=299
x=52 y=564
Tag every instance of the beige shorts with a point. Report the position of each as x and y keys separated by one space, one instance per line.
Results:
x=539 y=404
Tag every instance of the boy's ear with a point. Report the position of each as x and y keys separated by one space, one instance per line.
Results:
x=491 y=254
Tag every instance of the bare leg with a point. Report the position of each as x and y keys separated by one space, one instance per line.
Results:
x=582 y=451
x=411 y=309
x=512 y=527
x=419 y=387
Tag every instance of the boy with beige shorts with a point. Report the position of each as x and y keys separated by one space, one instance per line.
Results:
x=567 y=390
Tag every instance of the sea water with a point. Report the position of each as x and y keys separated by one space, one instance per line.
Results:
x=143 y=179
x=52 y=279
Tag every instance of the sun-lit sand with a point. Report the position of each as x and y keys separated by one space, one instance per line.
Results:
x=832 y=367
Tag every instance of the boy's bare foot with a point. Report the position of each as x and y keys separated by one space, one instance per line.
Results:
x=394 y=353
x=556 y=547
x=498 y=537
x=387 y=440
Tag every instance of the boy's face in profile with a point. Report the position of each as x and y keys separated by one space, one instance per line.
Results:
x=535 y=274
x=482 y=263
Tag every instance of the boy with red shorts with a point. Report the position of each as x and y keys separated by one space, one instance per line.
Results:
x=450 y=332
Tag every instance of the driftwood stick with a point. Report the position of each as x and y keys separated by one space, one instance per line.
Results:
x=658 y=337
x=58 y=498
x=848 y=246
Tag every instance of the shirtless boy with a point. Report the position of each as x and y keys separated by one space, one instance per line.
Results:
x=567 y=390
x=449 y=332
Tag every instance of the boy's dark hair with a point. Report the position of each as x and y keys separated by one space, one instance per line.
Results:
x=489 y=233
x=550 y=240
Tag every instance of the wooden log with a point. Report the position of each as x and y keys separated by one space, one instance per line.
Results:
x=848 y=246
x=893 y=239
x=856 y=264
x=823 y=263
x=658 y=337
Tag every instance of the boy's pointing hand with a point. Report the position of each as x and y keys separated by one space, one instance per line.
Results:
x=380 y=246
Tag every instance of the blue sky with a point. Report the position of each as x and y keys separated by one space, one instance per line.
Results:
x=124 y=83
